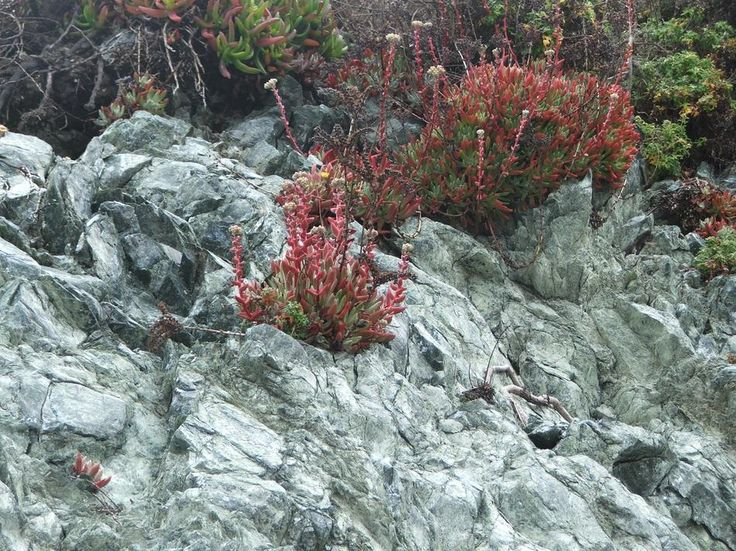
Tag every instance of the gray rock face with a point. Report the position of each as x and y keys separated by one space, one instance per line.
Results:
x=24 y=164
x=262 y=442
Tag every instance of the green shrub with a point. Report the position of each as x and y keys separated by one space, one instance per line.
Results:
x=688 y=31
x=664 y=146
x=718 y=256
x=684 y=82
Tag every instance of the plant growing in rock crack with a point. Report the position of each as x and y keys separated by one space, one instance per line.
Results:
x=697 y=205
x=140 y=94
x=320 y=291
x=90 y=472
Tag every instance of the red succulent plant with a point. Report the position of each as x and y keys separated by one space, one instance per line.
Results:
x=90 y=471
x=320 y=291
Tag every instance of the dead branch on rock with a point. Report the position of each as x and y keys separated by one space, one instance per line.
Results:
x=92 y=101
x=545 y=400
x=486 y=391
x=167 y=326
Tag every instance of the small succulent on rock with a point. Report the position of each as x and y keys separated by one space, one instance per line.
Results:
x=90 y=471
x=141 y=94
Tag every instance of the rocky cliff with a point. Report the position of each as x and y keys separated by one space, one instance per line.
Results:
x=261 y=442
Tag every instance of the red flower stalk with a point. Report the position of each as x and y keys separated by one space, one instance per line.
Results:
x=481 y=194
x=443 y=23
x=627 y=63
x=418 y=62
x=393 y=40
x=458 y=18
x=271 y=85
x=378 y=195
x=511 y=159
x=432 y=49
x=91 y=471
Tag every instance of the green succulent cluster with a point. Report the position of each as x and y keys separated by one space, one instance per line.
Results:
x=261 y=36
x=90 y=16
x=255 y=37
x=141 y=94
x=718 y=256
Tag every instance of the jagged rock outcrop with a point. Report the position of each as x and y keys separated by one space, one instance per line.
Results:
x=262 y=442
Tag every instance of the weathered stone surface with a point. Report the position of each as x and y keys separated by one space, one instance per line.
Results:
x=81 y=410
x=308 y=118
x=120 y=168
x=262 y=442
x=100 y=248
x=632 y=234
x=263 y=126
x=23 y=157
x=145 y=133
x=67 y=204
x=548 y=247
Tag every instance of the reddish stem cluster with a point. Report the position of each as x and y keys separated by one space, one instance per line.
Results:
x=273 y=87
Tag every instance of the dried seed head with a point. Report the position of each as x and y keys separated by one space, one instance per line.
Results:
x=549 y=53
x=289 y=206
x=393 y=38
x=435 y=71
x=417 y=24
x=235 y=230
x=525 y=113
x=406 y=248
x=428 y=25
x=480 y=133
x=614 y=97
x=270 y=85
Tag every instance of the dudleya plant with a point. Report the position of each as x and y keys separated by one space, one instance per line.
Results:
x=140 y=94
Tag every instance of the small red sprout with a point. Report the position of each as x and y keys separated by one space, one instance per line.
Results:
x=90 y=471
